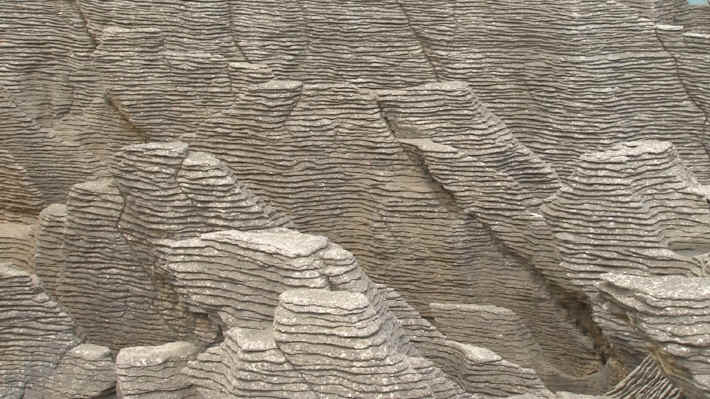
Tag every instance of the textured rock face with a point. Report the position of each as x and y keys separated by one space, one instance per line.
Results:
x=95 y=253
x=669 y=313
x=623 y=210
x=154 y=372
x=41 y=353
x=36 y=332
x=485 y=163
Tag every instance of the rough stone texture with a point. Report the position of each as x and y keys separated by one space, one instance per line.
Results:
x=646 y=381
x=34 y=334
x=154 y=372
x=425 y=138
x=670 y=314
x=622 y=210
x=323 y=344
x=483 y=372
x=96 y=252
x=86 y=371
x=502 y=331
x=17 y=245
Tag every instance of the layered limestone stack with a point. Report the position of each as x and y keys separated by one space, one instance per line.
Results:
x=238 y=275
x=323 y=344
x=31 y=147
x=101 y=281
x=633 y=209
x=585 y=52
x=181 y=25
x=87 y=371
x=310 y=339
x=319 y=182
x=155 y=372
x=36 y=72
x=371 y=44
x=689 y=47
x=646 y=381
x=324 y=154
x=612 y=217
x=182 y=89
x=247 y=364
x=336 y=341
x=480 y=190
x=449 y=113
x=35 y=332
x=96 y=253
x=502 y=331
x=495 y=200
x=483 y=372
x=670 y=314
x=95 y=119
x=20 y=197
x=171 y=192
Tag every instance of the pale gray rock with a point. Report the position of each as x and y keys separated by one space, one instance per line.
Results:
x=35 y=334
x=87 y=371
x=622 y=210
x=155 y=372
x=315 y=106
x=96 y=253
x=503 y=332
x=646 y=381
x=17 y=245
x=670 y=314
x=481 y=371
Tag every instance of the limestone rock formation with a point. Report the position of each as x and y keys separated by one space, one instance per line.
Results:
x=41 y=353
x=35 y=333
x=154 y=372
x=670 y=314
x=436 y=193
x=86 y=371
x=96 y=253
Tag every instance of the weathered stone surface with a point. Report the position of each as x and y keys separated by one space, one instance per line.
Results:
x=670 y=314
x=646 y=381
x=87 y=371
x=483 y=372
x=17 y=245
x=96 y=253
x=154 y=372
x=502 y=331
x=623 y=210
x=35 y=333
x=420 y=136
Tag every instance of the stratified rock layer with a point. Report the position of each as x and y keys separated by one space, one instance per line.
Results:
x=35 y=332
x=671 y=314
x=96 y=253
x=154 y=372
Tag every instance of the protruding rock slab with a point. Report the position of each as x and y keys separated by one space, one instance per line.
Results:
x=155 y=372
x=86 y=372
x=672 y=314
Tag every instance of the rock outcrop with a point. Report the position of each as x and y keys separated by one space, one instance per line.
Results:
x=436 y=193
x=670 y=314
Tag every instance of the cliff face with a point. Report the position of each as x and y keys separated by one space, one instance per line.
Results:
x=486 y=162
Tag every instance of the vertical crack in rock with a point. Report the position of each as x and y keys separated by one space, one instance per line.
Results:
x=76 y=5
x=111 y=101
x=422 y=42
